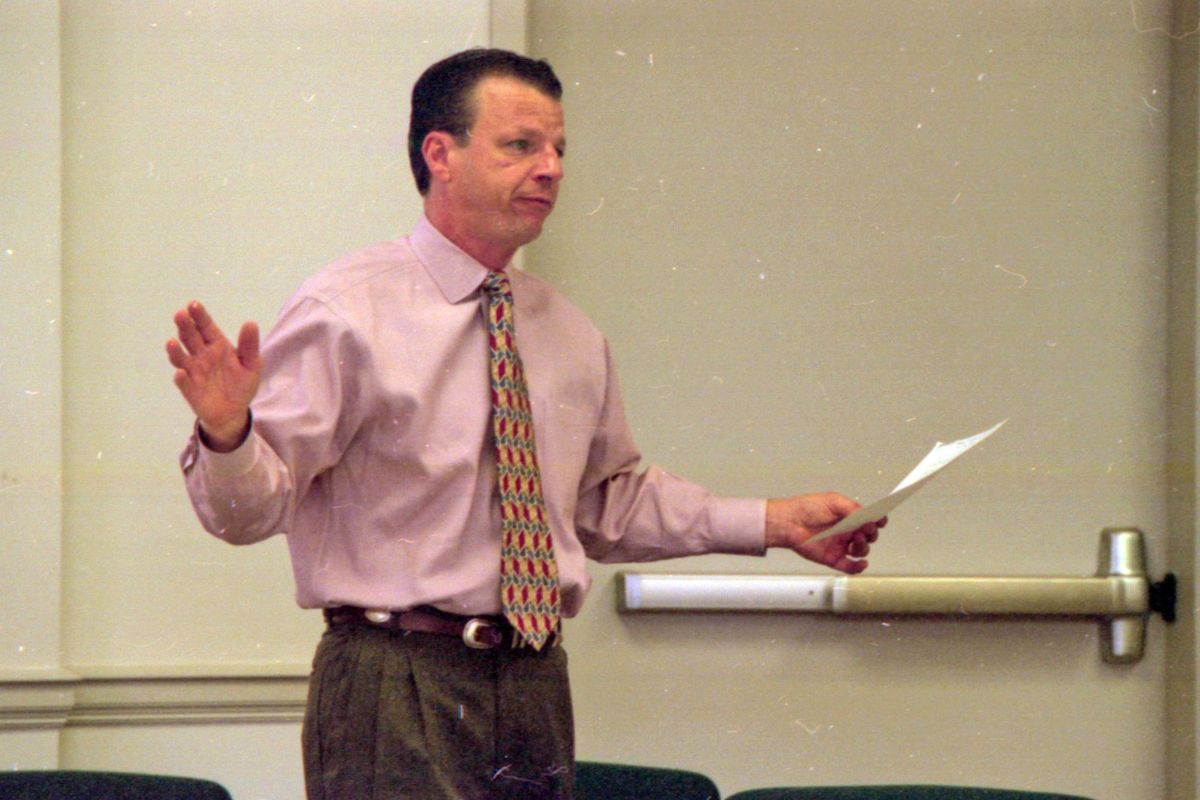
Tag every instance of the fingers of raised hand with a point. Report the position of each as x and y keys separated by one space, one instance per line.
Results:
x=196 y=328
x=175 y=354
x=179 y=359
x=205 y=326
x=185 y=329
x=183 y=382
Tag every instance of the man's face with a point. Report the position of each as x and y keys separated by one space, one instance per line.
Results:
x=504 y=180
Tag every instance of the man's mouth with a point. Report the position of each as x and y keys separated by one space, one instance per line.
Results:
x=544 y=202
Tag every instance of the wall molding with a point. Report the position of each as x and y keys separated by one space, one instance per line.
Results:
x=128 y=695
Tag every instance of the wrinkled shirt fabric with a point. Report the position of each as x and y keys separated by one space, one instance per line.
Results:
x=371 y=445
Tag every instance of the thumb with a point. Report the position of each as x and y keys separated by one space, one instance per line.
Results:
x=840 y=505
x=248 y=347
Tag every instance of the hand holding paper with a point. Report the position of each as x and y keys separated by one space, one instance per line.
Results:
x=940 y=457
x=792 y=522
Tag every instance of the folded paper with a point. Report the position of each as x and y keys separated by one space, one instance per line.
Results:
x=940 y=457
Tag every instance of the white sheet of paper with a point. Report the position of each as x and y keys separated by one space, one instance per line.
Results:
x=937 y=459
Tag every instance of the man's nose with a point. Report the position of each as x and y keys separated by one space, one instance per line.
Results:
x=549 y=167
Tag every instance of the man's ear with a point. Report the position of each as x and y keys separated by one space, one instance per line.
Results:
x=436 y=149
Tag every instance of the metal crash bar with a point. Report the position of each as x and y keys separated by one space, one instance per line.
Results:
x=1120 y=595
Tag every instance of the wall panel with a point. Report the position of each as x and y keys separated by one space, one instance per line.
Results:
x=155 y=152
x=822 y=236
x=31 y=329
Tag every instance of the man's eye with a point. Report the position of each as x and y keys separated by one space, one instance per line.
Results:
x=520 y=145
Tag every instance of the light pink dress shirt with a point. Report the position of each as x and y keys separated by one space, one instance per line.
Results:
x=372 y=447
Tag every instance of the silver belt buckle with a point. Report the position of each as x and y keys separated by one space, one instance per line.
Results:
x=378 y=616
x=471 y=629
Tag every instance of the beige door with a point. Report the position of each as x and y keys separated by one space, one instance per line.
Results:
x=822 y=236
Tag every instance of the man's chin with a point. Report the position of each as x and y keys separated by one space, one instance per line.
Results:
x=523 y=231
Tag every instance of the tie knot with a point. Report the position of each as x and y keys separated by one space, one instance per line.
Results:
x=497 y=283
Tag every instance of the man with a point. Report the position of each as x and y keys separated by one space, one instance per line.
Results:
x=384 y=427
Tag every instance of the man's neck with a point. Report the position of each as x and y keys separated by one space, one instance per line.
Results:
x=491 y=255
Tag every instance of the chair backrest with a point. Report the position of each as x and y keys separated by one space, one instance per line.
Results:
x=82 y=785
x=914 y=792
x=599 y=781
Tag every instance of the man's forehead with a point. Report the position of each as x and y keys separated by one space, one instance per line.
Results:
x=511 y=96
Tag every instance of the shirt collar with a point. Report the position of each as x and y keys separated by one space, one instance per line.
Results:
x=457 y=274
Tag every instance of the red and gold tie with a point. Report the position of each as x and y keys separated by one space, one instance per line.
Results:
x=528 y=573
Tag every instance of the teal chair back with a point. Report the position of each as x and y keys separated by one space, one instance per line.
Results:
x=599 y=781
x=916 y=792
x=81 y=785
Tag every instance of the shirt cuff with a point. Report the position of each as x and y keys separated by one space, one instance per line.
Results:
x=231 y=464
x=740 y=525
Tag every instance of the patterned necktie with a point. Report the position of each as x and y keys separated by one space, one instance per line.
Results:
x=528 y=573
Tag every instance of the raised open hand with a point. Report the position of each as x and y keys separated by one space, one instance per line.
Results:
x=217 y=380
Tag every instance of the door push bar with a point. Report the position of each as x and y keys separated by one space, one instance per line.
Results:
x=1120 y=595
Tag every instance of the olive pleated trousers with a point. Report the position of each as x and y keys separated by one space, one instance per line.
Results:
x=396 y=716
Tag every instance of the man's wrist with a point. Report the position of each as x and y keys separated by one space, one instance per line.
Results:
x=771 y=525
x=227 y=438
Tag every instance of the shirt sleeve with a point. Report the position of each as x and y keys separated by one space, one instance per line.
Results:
x=301 y=424
x=626 y=515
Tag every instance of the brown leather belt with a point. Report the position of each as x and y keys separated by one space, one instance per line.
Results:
x=478 y=633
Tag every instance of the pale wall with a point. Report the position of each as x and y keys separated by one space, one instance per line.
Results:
x=822 y=236
x=155 y=152
x=834 y=245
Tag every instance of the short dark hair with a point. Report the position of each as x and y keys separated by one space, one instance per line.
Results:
x=442 y=96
